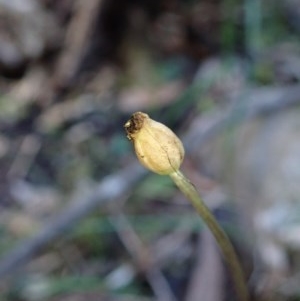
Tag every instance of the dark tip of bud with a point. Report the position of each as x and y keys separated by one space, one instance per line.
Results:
x=135 y=123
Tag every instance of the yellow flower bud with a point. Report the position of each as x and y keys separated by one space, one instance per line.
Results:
x=156 y=146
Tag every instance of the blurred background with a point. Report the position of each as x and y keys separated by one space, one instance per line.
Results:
x=79 y=218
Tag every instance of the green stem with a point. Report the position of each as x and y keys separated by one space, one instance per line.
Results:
x=222 y=239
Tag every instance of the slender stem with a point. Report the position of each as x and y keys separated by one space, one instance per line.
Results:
x=222 y=239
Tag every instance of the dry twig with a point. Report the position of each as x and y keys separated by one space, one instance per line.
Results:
x=111 y=188
x=143 y=258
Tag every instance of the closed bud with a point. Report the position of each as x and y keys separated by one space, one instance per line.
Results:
x=156 y=146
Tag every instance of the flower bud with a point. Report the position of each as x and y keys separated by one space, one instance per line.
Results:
x=156 y=146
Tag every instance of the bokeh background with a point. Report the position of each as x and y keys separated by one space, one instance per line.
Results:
x=79 y=218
